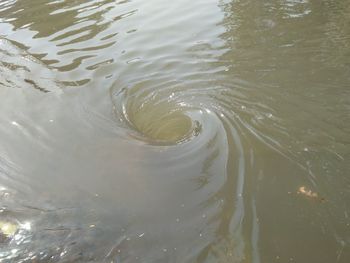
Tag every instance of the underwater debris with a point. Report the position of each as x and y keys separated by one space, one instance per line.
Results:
x=7 y=230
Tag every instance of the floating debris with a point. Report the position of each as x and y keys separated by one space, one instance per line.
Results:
x=308 y=193
x=303 y=190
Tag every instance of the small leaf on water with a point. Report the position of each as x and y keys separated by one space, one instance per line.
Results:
x=310 y=194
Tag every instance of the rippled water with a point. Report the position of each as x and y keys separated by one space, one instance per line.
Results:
x=175 y=131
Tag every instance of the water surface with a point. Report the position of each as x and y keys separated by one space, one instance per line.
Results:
x=181 y=131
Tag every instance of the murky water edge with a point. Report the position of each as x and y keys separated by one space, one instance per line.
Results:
x=155 y=131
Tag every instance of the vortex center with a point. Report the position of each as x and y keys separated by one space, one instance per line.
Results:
x=170 y=127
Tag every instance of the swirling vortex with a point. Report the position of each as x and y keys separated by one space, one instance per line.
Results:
x=164 y=116
x=190 y=119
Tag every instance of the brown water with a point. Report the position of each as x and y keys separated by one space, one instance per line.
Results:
x=175 y=131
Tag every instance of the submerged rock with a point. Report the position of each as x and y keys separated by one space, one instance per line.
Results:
x=7 y=230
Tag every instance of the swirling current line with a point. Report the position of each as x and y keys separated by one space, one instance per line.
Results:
x=169 y=114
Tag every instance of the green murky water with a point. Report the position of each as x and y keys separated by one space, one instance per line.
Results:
x=175 y=131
